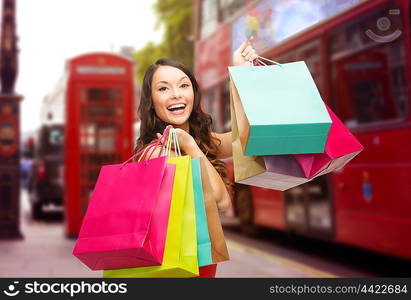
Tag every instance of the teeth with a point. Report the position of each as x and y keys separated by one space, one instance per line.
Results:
x=176 y=106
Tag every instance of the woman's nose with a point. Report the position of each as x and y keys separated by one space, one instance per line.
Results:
x=176 y=92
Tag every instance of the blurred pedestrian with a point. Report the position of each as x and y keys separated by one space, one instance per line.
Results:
x=170 y=95
x=25 y=165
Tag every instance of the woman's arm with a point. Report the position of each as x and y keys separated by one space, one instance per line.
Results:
x=243 y=56
x=225 y=148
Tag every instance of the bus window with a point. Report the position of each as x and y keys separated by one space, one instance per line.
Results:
x=56 y=137
x=50 y=140
x=368 y=76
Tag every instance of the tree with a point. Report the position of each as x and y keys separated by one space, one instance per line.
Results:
x=177 y=42
x=176 y=17
x=145 y=57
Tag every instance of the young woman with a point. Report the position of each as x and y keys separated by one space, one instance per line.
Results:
x=171 y=96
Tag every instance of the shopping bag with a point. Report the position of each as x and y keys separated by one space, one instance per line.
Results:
x=278 y=172
x=126 y=221
x=219 y=252
x=203 y=237
x=278 y=109
x=180 y=254
x=341 y=147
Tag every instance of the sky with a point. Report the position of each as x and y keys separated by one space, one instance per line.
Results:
x=52 y=31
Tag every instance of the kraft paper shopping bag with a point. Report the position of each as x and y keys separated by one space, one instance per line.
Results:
x=219 y=251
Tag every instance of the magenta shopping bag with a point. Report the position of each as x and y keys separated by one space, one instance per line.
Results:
x=341 y=147
x=126 y=221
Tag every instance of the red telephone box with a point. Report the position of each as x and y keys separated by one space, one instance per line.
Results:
x=99 y=101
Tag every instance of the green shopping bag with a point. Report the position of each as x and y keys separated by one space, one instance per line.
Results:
x=180 y=253
x=203 y=237
x=279 y=109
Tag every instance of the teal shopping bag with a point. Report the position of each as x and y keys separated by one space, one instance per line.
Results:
x=203 y=237
x=279 y=109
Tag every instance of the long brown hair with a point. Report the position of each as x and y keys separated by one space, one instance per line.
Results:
x=199 y=121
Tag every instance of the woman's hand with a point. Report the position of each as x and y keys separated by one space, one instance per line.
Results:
x=186 y=143
x=245 y=54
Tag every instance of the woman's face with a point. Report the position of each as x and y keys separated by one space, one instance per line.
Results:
x=173 y=96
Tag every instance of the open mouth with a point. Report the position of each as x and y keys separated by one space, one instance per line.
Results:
x=176 y=107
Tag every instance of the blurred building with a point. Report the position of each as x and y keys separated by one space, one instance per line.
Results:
x=9 y=126
x=128 y=51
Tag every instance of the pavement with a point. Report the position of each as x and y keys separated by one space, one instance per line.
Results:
x=46 y=252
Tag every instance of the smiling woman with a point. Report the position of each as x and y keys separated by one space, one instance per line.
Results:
x=171 y=96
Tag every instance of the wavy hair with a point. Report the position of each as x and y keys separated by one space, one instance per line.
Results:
x=199 y=121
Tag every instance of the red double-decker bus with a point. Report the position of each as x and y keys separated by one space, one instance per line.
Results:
x=93 y=105
x=359 y=53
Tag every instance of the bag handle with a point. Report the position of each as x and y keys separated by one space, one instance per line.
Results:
x=150 y=146
x=172 y=138
x=171 y=135
x=161 y=141
x=176 y=143
x=260 y=61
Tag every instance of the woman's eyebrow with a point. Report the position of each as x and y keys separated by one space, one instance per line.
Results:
x=183 y=78
x=167 y=82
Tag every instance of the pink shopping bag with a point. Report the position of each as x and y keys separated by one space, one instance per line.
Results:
x=341 y=147
x=126 y=221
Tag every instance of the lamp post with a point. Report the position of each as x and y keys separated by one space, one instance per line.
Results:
x=9 y=127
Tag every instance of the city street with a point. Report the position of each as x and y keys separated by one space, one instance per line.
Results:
x=300 y=110
x=45 y=252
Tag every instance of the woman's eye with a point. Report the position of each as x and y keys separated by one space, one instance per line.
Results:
x=185 y=85
x=162 y=89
